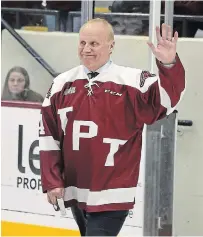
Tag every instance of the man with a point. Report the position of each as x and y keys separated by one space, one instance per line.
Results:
x=92 y=123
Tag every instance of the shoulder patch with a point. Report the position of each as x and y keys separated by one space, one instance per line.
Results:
x=144 y=75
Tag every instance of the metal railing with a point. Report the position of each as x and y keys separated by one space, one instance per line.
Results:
x=43 y=12
x=110 y=15
x=143 y=16
x=30 y=50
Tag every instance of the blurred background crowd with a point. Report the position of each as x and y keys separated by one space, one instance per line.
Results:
x=129 y=17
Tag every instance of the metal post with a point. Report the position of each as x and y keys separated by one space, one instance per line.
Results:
x=87 y=11
x=57 y=22
x=17 y=20
x=154 y=20
x=169 y=7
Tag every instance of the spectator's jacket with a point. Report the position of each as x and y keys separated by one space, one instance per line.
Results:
x=26 y=95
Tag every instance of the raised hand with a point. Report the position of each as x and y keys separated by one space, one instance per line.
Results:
x=166 y=45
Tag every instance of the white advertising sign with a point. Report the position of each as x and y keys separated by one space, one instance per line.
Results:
x=21 y=184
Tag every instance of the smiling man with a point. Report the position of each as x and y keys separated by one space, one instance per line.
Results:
x=96 y=44
x=91 y=127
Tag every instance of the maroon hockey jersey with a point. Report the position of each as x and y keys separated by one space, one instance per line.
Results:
x=91 y=131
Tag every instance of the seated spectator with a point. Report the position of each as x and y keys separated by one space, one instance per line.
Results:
x=64 y=7
x=17 y=86
x=130 y=25
x=141 y=27
x=25 y=19
x=194 y=8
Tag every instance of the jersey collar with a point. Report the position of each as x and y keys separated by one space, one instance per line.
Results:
x=103 y=68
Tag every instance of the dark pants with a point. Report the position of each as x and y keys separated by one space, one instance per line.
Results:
x=108 y=223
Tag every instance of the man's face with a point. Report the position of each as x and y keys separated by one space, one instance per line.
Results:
x=94 y=46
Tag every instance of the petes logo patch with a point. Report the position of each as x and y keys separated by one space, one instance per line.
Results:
x=144 y=75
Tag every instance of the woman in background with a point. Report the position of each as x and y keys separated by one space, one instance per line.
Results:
x=17 y=86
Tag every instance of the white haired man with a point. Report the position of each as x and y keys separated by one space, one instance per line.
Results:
x=92 y=123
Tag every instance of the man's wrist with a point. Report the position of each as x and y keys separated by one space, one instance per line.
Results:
x=168 y=64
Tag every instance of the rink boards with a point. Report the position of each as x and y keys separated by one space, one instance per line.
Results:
x=25 y=210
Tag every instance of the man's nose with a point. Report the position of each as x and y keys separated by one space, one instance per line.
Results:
x=87 y=48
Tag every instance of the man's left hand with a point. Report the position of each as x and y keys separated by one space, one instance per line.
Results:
x=166 y=45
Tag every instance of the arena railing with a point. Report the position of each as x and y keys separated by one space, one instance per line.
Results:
x=29 y=49
x=144 y=16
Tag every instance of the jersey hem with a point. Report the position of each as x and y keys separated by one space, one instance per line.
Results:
x=101 y=208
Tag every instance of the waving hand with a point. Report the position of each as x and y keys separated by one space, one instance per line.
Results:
x=166 y=45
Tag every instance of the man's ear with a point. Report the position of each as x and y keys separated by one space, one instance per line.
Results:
x=112 y=46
